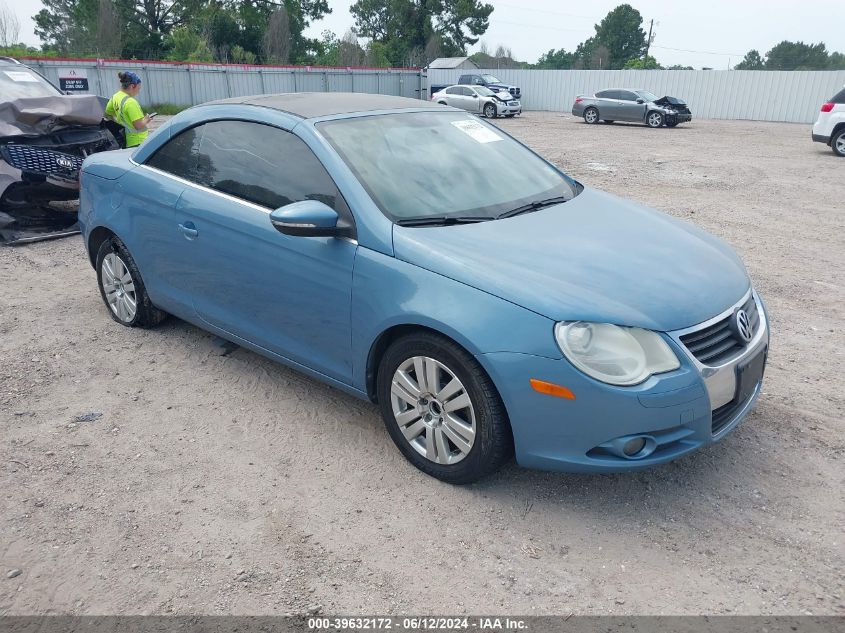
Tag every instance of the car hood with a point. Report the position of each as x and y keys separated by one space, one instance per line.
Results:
x=595 y=258
x=43 y=115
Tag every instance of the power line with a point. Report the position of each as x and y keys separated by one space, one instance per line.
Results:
x=686 y=50
x=569 y=15
x=537 y=26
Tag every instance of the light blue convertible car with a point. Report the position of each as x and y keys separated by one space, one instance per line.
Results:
x=416 y=256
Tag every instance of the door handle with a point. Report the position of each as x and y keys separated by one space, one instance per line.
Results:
x=189 y=230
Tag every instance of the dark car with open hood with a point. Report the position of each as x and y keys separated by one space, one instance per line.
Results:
x=44 y=137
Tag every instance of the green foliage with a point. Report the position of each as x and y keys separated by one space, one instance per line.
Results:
x=186 y=45
x=403 y=28
x=793 y=56
x=22 y=50
x=646 y=63
x=555 y=60
x=621 y=34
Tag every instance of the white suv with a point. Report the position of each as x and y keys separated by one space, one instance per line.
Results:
x=830 y=127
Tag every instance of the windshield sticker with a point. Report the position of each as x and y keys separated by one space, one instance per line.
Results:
x=477 y=131
x=18 y=75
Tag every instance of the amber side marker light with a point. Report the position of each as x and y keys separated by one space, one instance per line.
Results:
x=551 y=389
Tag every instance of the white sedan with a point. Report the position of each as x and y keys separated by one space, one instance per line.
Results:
x=480 y=100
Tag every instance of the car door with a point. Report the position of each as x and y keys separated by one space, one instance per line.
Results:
x=453 y=97
x=607 y=104
x=149 y=195
x=290 y=295
x=471 y=99
x=629 y=109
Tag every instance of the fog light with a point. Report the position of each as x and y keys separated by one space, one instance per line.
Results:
x=634 y=446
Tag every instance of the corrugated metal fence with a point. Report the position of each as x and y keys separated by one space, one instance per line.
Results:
x=190 y=84
x=793 y=96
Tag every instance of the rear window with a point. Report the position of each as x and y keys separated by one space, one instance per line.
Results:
x=839 y=97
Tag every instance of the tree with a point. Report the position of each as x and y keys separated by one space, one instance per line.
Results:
x=10 y=27
x=751 y=61
x=460 y=22
x=679 y=67
x=645 y=63
x=187 y=45
x=621 y=33
x=109 y=30
x=555 y=60
x=404 y=28
x=836 y=61
x=277 y=40
x=797 y=56
x=349 y=51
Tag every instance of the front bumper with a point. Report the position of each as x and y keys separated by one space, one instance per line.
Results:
x=678 y=117
x=677 y=412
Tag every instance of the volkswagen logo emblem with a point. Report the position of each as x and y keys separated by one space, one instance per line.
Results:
x=742 y=326
x=64 y=162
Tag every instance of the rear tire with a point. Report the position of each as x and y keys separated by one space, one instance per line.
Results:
x=450 y=423
x=837 y=143
x=591 y=115
x=122 y=288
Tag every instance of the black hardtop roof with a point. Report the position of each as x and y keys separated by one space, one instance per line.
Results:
x=309 y=105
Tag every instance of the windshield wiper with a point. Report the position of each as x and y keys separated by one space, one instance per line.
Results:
x=532 y=206
x=442 y=220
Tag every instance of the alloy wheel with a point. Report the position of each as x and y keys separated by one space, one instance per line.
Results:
x=591 y=116
x=655 y=119
x=119 y=288
x=433 y=410
x=840 y=145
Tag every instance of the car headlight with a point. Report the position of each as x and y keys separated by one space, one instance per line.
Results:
x=613 y=354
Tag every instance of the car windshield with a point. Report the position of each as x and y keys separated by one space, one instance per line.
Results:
x=645 y=94
x=483 y=91
x=442 y=165
x=18 y=82
x=490 y=79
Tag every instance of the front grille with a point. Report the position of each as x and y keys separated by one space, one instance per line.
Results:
x=41 y=161
x=718 y=342
x=513 y=103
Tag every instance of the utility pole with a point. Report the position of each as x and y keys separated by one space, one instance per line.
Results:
x=648 y=41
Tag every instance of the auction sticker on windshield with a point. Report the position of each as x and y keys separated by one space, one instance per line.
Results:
x=17 y=75
x=477 y=131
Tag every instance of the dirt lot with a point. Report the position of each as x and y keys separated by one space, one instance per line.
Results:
x=215 y=481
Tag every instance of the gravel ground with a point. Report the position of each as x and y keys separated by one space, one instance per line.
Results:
x=160 y=472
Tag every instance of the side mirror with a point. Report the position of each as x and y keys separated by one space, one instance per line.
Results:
x=474 y=96
x=309 y=218
x=640 y=101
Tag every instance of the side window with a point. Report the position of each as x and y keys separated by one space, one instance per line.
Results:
x=603 y=94
x=467 y=92
x=180 y=155
x=839 y=97
x=627 y=96
x=452 y=91
x=264 y=165
x=463 y=79
x=477 y=80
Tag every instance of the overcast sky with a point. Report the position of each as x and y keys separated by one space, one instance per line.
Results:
x=714 y=33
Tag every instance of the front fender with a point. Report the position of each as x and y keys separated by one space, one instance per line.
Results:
x=387 y=292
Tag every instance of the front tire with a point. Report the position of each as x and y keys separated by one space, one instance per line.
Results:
x=122 y=288
x=591 y=115
x=490 y=111
x=837 y=143
x=654 y=119
x=442 y=410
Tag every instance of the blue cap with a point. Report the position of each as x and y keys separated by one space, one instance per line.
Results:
x=132 y=78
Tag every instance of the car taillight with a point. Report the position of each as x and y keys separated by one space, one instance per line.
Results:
x=578 y=99
x=827 y=107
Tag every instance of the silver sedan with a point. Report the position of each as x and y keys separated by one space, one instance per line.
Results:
x=639 y=106
x=480 y=100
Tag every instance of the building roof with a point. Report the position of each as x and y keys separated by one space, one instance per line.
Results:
x=310 y=105
x=451 y=62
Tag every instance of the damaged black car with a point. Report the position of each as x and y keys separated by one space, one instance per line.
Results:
x=44 y=137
